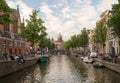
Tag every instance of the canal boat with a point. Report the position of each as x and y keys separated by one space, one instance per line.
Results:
x=43 y=59
x=87 y=59
x=81 y=57
x=98 y=65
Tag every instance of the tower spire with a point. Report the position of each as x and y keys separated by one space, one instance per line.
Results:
x=18 y=7
x=60 y=37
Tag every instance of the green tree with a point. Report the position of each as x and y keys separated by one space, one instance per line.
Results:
x=67 y=44
x=44 y=42
x=34 y=30
x=84 y=39
x=5 y=12
x=114 y=20
x=76 y=41
x=100 y=34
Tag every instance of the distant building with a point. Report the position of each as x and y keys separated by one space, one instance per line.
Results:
x=92 y=46
x=59 y=42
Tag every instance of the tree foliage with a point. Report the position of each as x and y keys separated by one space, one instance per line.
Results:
x=100 y=33
x=74 y=41
x=45 y=42
x=114 y=20
x=67 y=44
x=34 y=30
x=80 y=40
x=84 y=38
x=5 y=12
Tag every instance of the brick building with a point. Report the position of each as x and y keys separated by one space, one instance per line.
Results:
x=10 y=40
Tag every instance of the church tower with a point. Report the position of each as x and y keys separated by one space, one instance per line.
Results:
x=59 y=42
x=60 y=37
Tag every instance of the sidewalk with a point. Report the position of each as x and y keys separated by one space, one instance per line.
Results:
x=109 y=59
x=110 y=64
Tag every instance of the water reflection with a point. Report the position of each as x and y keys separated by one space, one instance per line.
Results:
x=63 y=69
x=43 y=70
x=79 y=67
x=94 y=75
x=27 y=75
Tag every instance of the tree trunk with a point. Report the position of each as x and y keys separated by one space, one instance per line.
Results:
x=103 y=49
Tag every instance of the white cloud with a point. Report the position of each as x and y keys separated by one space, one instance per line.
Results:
x=78 y=1
x=46 y=9
x=105 y=5
x=77 y=20
x=70 y=19
x=52 y=22
x=84 y=16
x=66 y=12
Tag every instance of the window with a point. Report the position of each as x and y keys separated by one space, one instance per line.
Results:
x=10 y=43
x=6 y=27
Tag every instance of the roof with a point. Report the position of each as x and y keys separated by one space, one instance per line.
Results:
x=9 y=35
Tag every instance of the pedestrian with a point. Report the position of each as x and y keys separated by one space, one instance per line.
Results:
x=113 y=53
x=5 y=55
x=11 y=56
x=116 y=59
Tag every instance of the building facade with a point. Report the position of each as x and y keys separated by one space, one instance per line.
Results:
x=92 y=45
x=10 y=40
x=59 y=42
x=112 y=40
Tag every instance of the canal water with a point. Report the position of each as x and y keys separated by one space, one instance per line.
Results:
x=63 y=69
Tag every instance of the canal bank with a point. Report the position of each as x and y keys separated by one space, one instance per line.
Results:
x=110 y=65
x=8 y=67
x=62 y=69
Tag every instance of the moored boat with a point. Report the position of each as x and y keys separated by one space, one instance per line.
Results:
x=43 y=59
x=98 y=65
x=87 y=59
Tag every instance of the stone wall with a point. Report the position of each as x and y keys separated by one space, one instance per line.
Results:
x=8 y=67
x=110 y=65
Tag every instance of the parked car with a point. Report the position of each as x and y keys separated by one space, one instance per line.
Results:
x=93 y=54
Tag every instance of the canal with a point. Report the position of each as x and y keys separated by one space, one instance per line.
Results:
x=62 y=69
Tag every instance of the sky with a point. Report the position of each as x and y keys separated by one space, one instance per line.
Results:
x=67 y=17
